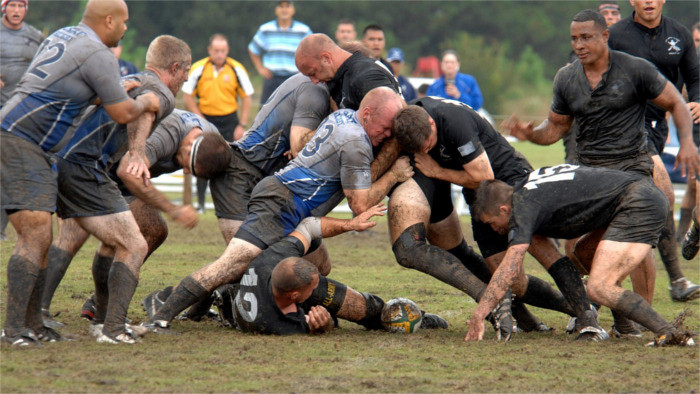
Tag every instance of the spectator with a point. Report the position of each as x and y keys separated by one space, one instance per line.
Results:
x=455 y=85
x=125 y=67
x=345 y=31
x=373 y=38
x=218 y=82
x=284 y=35
x=396 y=60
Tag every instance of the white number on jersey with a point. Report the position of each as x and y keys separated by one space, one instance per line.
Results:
x=562 y=172
x=249 y=315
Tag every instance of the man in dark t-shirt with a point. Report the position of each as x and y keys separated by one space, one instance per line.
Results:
x=606 y=92
x=622 y=214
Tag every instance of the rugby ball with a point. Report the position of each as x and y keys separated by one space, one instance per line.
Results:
x=401 y=315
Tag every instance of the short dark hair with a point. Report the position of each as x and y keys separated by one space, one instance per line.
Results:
x=411 y=128
x=374 y=27
x=291 y=274
x=423 y=89
x=696 y=26
x=346 y=21
x=213 y=157
x=490 y=195
x=449 y=52
x=591 y=15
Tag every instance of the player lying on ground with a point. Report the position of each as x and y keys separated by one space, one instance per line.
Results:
x=623 y=215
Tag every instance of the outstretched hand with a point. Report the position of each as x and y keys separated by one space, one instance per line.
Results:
x=362 y=221
x=517 y=128
x=476 y=329
x=186 y=215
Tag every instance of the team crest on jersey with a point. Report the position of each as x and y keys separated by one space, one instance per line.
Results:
x=673 y=48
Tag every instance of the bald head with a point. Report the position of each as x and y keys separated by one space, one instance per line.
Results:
x=382 y=99
x=293 y=274
x=318 y=57
x=108 y=19
x=313 y=44
x=377 y=111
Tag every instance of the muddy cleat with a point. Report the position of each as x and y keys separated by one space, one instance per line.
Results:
x=47 y=334
x=137 y=331
x=88 y=310
x=157 y=326
x=152 y=302
x=49 y=320
x=683 y=290
x=432 y=321
x=595 y=334
x=625 y=333
x=96 y=329
x=691 y=242
x=224 y=297
x=26 y=338
x=121 y=338
x=501 y=319
x=673 y=339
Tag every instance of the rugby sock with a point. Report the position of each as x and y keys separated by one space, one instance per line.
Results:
x=472 y=260
x=122 y=285
x=59 y=260
x=525 y=319
x=622 y=323
x=668 y=249
x=21 y=278
x=634 y=307
x=101 y=266
x=373 y=314
x=185 y=294
x=34 y=318
x=200 y=309
x=569 y=282
x=541 y=294
x=412 y=251
x=683 y=223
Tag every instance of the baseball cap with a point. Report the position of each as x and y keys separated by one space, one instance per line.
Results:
x=395 y=55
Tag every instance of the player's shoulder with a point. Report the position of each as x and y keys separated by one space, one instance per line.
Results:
x=627 y=62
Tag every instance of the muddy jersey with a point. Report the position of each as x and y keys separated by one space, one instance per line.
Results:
x=162 y=145
x=17 y=48
x=610 y=117
x=462 y=135
x=297 y=102
x=357 y=76
x=71 y=69
x=565 y=201
x=669 y=46
x=255 y=309
x=99 y=140
x=337 y=158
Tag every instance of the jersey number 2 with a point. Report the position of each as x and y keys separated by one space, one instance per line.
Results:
x=54 y=53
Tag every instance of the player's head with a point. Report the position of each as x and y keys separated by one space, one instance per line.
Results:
x=345 y=31
x=204 y=155
x=377 y=111
x=648 y=12
x=171 y=58
x=356 y=46
x=316 y=57
x=696 y=35
x=14 y=12
x=373 y=37
x=610 y=11
x=589 y=36
x=415 y=130
x=108 y=19
x=218 y=49
x=449 y=64
x=294 y=278
x=493 y=204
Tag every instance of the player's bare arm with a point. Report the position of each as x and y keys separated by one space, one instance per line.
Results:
x=361 y=200
x=672 y=101
x=474 y=172
x=138 y=131
x=548 y=132
x=385 y=158
x=127 y=111
x=298 y=137
x=186 y=215
x=498 y=286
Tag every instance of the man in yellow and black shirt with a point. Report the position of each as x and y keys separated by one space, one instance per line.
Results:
x=212 y=90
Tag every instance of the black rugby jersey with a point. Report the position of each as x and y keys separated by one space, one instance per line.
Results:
x=357 y=76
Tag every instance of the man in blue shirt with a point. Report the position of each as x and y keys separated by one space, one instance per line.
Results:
x=455 y=85
x=396 y=60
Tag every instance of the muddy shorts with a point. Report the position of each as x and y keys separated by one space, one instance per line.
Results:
x=656 y=136
x=27 y=175
x=640 y=215
x=438 y=193
x=85 y=191
x=273 y=212
x=641 y=164
x=231 y=190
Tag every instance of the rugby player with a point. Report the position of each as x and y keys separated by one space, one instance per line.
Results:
x=622 y=213
x=72 y=68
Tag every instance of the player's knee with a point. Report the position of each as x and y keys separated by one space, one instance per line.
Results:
x=596 y=290
x=409 y=244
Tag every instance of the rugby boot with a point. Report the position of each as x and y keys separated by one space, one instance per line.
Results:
x=683 y=290
x=673 y=339
x=691 y=242
x=49 y=320
x=501 y=318
x=26 y=338
x=431 y=321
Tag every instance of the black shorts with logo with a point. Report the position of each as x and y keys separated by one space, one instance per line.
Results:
x=86 y=191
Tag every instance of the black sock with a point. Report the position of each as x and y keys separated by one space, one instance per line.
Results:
x=668 y=249
x=622 y=323
x=199 y=309
x=101 y=265
x=35 y=320
x=21 y=278
x=683 y=223
x=473 y=261
x=568 y=279
x=185 y=294
x=412 y=251
x=122 y=285
x=525 y=319
x=59 y=260
x=633 y=306
x=541 y=294
x=373 y=314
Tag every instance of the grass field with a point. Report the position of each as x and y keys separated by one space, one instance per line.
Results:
x=203 y=357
